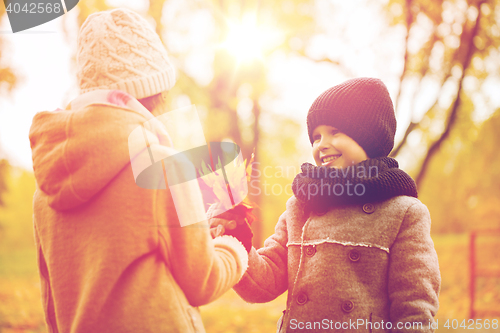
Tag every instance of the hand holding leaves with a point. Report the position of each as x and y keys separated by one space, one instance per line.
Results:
x=234 y=222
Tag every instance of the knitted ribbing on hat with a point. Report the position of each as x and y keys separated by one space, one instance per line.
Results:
x=362 y=109
x=372 y=180
x=118 y=49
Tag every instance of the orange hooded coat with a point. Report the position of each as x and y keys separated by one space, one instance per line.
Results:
x=112 y=256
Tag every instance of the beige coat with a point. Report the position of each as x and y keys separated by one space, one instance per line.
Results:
x=112 y=256
x=349 y=266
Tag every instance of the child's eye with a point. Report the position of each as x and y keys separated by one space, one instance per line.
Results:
x=316 y=137
x=334 y=131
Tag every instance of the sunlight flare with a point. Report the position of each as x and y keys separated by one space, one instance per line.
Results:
x=247 y=40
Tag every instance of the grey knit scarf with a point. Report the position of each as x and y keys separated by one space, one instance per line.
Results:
x=373 y=180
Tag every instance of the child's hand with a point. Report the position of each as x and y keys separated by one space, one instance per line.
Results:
x=219 y=226
x=220 y=220
x=243 y=233
x=232 y=223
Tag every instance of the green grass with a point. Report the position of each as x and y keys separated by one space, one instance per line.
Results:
x=21 y=311
x=230 y=314
x=20 y=302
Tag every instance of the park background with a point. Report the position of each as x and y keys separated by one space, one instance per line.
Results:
x=253 y=68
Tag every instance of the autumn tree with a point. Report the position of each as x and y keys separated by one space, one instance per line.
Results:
x=462 y=185
x=446 y=53
x=229 y=100
x=4 y=173
x=446 y=43
x=231 y=96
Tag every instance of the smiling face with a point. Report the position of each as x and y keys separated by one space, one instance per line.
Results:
x=334 y=149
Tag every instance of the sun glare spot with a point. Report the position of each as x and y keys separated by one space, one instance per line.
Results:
x=246 y=40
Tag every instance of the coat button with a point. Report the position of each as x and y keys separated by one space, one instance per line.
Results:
x=310 y=250
x=368 y=208
x=354 y=255
x=347 y=306
x=302 y=299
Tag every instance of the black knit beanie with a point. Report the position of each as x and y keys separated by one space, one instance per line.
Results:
x=362 y=109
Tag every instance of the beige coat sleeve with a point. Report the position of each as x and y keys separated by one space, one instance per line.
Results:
x=203 y=267
x=414 y=277
x=266 y=276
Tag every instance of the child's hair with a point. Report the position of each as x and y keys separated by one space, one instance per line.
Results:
x=362 y=109
x=118 y=49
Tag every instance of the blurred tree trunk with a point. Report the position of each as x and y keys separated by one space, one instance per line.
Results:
x=4 y=173
x=85 y=8
x=155 y=10
x=418 y=65
x=257 y=226
x=410 y=17
x=468 y=44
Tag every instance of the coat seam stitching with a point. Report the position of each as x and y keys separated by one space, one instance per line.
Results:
x=323 y=241
x=301 y=257
x=66 y=133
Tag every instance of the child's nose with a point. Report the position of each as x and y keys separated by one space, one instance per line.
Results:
x=323 y=143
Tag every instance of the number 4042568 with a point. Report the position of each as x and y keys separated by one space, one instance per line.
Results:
x=471 y=324
x=33 y=8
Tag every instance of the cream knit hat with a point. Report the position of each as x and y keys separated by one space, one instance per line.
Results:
x=118 y=49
